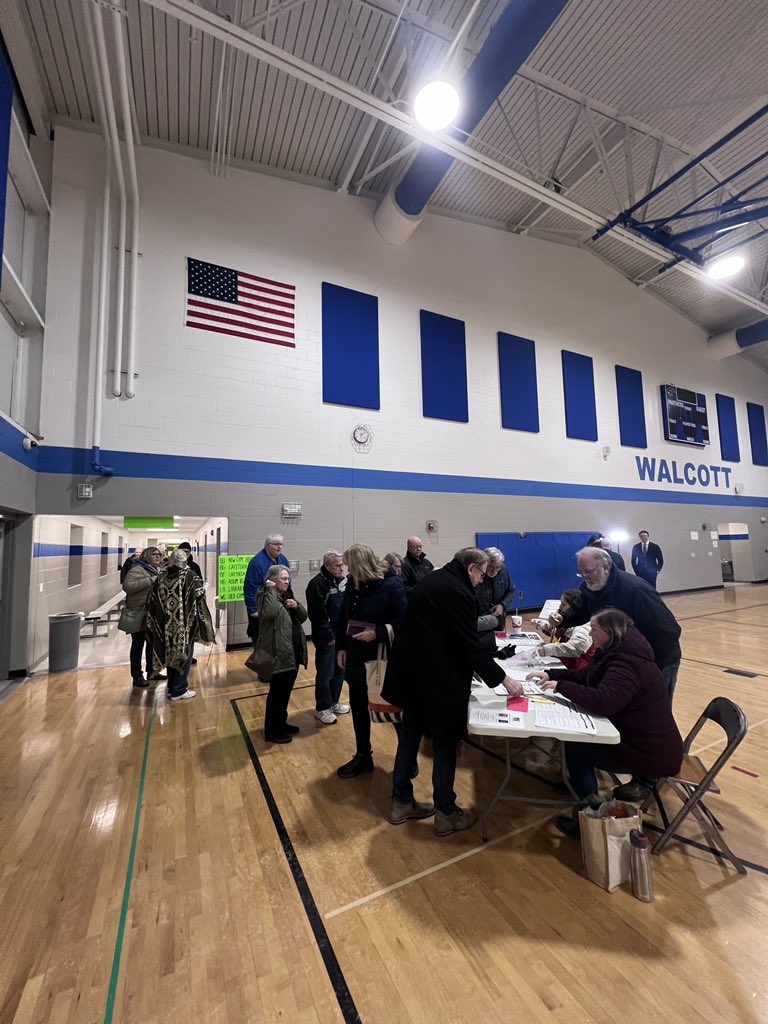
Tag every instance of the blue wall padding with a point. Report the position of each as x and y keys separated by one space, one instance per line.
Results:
x=443 y=367
x=350 y=347
x=517 y=383
x=579 y=396
x=629 y=395
x=758 y=440
x=727 y=428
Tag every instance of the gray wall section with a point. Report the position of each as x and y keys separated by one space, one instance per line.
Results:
x=335 y=518
x=17 y=485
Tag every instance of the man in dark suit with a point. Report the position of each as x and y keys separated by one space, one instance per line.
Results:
x=647 y=559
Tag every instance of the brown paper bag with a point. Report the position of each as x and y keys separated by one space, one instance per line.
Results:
x=605 y=845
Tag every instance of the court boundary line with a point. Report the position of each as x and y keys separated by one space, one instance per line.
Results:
x=439 y=867
x=332 y=966
x=114 y=977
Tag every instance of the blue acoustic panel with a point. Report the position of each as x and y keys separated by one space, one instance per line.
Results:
x=350 y=347
x=443 y=368
x=629 y=395
x=579 y=395
x=517 y=383
x=728 y=430
x=6 y=99
x=758 y=440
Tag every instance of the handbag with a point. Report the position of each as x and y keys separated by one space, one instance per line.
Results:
x=262 y=663
x=131 y=620
x=605 y=844
x=375 y=672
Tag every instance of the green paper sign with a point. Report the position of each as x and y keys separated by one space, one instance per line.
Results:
x=232 y=569
x=147 y=522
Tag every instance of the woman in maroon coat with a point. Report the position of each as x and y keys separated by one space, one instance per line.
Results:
x=624 y=684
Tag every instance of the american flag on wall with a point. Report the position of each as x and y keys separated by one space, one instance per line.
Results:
x=232 y=302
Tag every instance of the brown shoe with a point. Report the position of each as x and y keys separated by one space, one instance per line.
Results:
x=400 y=812
x=456 y=822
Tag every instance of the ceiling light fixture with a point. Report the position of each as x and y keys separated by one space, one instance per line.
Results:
x=436 y=105
x=725 y=267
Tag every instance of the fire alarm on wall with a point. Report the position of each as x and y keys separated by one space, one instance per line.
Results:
x=432 y=526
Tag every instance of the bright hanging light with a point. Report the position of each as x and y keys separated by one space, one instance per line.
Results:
x=618 y=536
x=436 y=105
x=726 y=266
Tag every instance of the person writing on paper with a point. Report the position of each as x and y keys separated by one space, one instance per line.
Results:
x=373 y=602
x=429 y=675
x=572 y=645
x=624 y=684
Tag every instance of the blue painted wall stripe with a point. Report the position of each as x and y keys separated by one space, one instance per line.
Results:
x=733 y=536
x=443 y=367
x=42 y=550
x=135 y=465
x=579 y=396
x=629 y=395
x=350 y=347
x=757 y=436
x=727 y=428
x=517 y=383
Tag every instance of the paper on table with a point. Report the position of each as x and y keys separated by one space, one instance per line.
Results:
x=530 y=688
x=486 y=716
x=517 y=704
x=562 y=719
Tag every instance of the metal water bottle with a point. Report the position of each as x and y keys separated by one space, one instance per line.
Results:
x=640 y=866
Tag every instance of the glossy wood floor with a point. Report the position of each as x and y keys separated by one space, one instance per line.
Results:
x=386 y=924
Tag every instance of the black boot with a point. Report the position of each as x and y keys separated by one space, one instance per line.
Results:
x=359 y=765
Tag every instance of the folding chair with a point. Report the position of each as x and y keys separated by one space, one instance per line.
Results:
x=694 y=780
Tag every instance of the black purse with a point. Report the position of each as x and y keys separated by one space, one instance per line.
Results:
x=262 y=663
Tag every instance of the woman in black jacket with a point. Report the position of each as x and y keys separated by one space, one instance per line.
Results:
x=372 y=602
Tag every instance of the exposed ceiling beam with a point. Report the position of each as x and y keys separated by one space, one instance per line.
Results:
x=234 y=35
x=14 y=32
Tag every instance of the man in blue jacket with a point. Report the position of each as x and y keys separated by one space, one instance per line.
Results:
x=325 y=596
x=271 y=554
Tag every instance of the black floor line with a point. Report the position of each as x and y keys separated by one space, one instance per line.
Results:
x=714 y=664
x=707 y=849
x=724 y=612
x=335 y=974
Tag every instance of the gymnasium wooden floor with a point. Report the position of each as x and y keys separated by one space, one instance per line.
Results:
x=159 y=862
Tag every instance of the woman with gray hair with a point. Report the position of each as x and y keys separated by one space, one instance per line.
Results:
x=281 y=636
x=137 y=586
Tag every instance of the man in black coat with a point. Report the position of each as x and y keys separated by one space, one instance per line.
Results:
x=416 y=565
x=605 y=586
x=429 y=675
x=647 y=559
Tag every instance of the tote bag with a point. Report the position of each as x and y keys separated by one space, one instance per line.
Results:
x=131 y=620
x=375 y=671
x=605 y=845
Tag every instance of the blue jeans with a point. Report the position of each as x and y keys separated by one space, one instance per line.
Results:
x=177 y=678
x=329 y=677
x=443 y=765
x=670 y=675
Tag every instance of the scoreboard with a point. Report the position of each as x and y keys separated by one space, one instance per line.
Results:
x=684 y=415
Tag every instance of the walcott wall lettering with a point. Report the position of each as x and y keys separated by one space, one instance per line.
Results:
x=661 y=471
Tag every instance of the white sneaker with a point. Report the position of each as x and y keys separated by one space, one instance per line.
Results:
x=340 y=709
x=187 y=695
x=327 y=717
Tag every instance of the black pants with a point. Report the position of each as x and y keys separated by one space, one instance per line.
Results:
x=139 y=641
x=357 y=654
x=276 y=713
x=443 y=764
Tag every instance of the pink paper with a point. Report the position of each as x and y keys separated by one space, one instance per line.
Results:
x=517 y=704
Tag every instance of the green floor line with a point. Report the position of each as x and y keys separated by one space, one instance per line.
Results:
x=110 y=1008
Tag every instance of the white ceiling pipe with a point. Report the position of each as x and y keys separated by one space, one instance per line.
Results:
x=109 y=104
x=105 y=243
x=216 y=26
x=133 y=266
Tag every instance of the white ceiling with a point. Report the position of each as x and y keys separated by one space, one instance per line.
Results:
x=617 y=95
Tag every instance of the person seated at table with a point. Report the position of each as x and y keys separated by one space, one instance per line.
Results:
x=624 y=684
x=573 y=646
